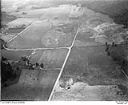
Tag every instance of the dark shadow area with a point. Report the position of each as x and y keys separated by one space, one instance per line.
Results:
x=9 y=75
x=117 y=10
x=119 y=54
x=122 y=18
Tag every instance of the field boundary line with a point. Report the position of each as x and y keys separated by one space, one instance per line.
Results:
x=20 y=32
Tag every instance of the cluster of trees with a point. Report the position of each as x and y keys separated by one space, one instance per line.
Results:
x=29 y=65
x=11 y=70
x=118 y=49
x=119 y=53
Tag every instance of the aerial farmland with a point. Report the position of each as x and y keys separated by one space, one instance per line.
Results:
x=59 y=50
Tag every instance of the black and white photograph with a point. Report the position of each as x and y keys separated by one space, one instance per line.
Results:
x=64 y=50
